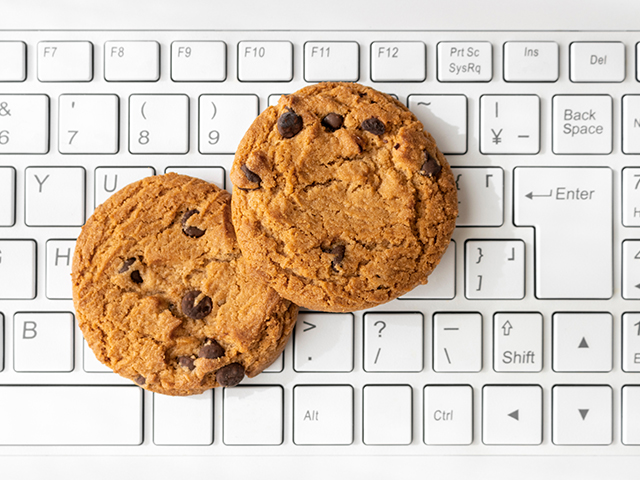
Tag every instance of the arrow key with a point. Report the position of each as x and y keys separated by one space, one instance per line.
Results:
x=631 y=269
x=512 y=415
x=582 y=342
x=582 y=415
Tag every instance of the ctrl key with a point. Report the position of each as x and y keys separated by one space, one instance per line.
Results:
x=448 y=415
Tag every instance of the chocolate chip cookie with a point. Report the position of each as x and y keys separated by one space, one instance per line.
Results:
x=341 y=200
x=163 y=295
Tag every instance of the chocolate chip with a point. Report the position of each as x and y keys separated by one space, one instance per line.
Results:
x=251 y=176
x=135 y=277
x=396 y=146
x=140 y=380
x=230 y=375
x=191 y=310
x=430 y=167
x=289 y=124
x=127 y=263
x=211 y=350
x=191 y=231
x=338 y=252
x=333 y=122
x=373 y=125
x=186 y=362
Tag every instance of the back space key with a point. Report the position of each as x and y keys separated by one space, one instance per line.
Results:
x=571 y=212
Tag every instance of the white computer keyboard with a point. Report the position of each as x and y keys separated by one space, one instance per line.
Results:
x=526 y=341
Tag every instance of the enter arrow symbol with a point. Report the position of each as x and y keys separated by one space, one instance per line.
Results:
x=515 y=414
x=530 y=195
x=583 y=412
x=310 y=327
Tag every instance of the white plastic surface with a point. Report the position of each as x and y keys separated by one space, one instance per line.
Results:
x=480 y=196
x=510 y=124
x=582 y=415
x=494 y=269
x=137 y=61
x=183 y=420
x=531 y=61
x=323 y=342
x=58 y=269
x=108 y=180
x=517 y=342
x=323 y=415
x=54 y=196
x=457 y=342
x=65 y=61
x=387 y=415
x=393 y=342
x=24 y=123
x=198 y=61
x=88 y=123
x=158 y=123
x=43 y=342
x=7 y=196
x=582 y=124
x=597 y=62
x=17 y=269
x=445 y=117
x=223 y=120
x=582 y=342
x=265 y=61
x=448 y=415
x=512 y=415
x=13 y=60
x=253 y=415
x=331 y=61
x=398 y=61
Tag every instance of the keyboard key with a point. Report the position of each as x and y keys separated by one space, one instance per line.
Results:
x=631 y=269
x=224 y=119
x=597 y=62
x=494 y=269
x=510 y=124
x=1 y=342
x=88 y=124
x=323 y=342
x=582 y=124
x=17 y=269
x=277 y=366
x=198 y=61
x=582 y=342
x=517 y=342
x=253 y=415
x=265 y=61
x=323 y=415
x=208 y=174
x=70 y=415
x=445 y=117
x=90 y=363
x=631 y=342
x=457 y=342
x=575 y=205
x=393 y=342
x=54 y=196
x=331 y=61
x=43 y=342
x=7 y=196
x=183 y=420
x=448 y=415
x=631 y=197
x=398 y=61
x=512 y=415
x=274 y=99
x=582 y=415
x=158 y=124
x=137 y=61
x=13 y=58
x=465 y=62
x=58 y=269
x=442 y=282
x=631 y=415
x=480 y=196
x=386 y=412
x=531 y=61
x=631 y=123
x=24 y=124
x=65 y=61
x=109 y=180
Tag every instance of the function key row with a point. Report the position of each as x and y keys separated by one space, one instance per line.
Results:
x=272 y=61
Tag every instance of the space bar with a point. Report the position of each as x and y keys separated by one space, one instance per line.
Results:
x=70 y=415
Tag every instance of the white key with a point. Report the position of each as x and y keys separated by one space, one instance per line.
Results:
x=323 y=415
x=331 y=61
x=480 y=196
x=183 y=420
x=43 y=342
x=597 y=62
x=71 y=415
x=13 y=60
x=24 y=124
x=253 y=415
x=631 y=197
x=265 y=61
x=448 y=415
x=582 y=342
x=208 y=174
x=198 y=61
x=277 y=366
x=531 y=61
x=386 y=415
x=323 y=342
x=17 y=269
x=109 y=180
x=445 y=117
x=582 y=415
x=224 y=119
x=65 y=61
x=7 y=196
x=510 y=124
x=442 y=282
x=631 y=269
x=494 y=269
x=630 y=415
x=517 y=342
x=137 y=61
x=54 y=196
x=465 y=62
x=90 y=363
x=457 y=342
x=582 y=124
x=631 y=342
x=393 y=342
x=1 y=342
x=88 y=124
x=398 y=61
x=571 y=211
x=158 y=124
x=512 y=415
x=58 y=274
x=631 y=124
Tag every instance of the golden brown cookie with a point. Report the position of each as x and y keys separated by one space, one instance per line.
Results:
x=341 y=200
x=163 y=295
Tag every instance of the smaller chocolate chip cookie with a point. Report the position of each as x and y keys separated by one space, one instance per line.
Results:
x=341 y=199
x=163 y=295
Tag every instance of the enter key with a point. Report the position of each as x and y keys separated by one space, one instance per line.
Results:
x=571 y=212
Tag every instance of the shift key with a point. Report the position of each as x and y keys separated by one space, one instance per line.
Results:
x=571 y=212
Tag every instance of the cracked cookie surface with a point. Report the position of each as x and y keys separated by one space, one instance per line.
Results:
x=341 y=200
x=163 y=295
